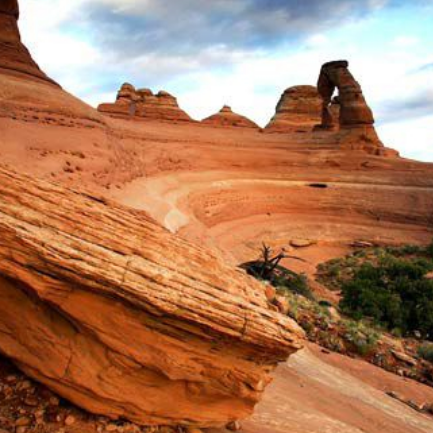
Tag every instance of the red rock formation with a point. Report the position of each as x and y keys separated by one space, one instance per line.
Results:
x=355 y=116
x=121 y=317
x=298 y=109
x=226 y=117
x=15 y=59
x=142 y=103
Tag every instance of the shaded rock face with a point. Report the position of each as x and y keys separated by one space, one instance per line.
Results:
x=15 y=59
x=142 y=103
x=299 y=109
x=122 y=318
x=226 y=117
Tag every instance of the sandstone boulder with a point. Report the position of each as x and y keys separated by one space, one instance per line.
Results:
x=15 y=59
x=122 y=318
x=143 y=104
x=226 y=117
x=298 y=110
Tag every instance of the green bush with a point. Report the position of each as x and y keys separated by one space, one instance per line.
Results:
x=362 y=338
x=425 y=351
x=394 y=293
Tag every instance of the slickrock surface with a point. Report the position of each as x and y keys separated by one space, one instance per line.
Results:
x=15 y=59
x=298 y=110
x=125 y=319
x=143 y=104
x=226 y=117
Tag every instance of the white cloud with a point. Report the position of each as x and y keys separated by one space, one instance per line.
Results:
x=413 y=138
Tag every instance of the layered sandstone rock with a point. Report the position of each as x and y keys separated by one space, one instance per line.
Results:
x=355 y=118
x=142 y=103
x=15 y=59
x=123 y=318
x=226 y=117
x=299 y=109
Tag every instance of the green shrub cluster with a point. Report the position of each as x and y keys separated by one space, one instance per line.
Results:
x=394 y=293
x=426 y=352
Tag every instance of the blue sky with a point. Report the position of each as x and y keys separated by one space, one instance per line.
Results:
x=243 y=53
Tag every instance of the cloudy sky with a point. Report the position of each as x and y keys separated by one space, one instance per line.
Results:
x=243 y=53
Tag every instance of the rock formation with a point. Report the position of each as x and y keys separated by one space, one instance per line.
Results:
x=15 y=59
x=116 y=314
x=142 y=103
x=355 y=116
x=226 y=117
x=298 y=110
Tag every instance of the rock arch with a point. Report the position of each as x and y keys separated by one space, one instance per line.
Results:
x=354 y=110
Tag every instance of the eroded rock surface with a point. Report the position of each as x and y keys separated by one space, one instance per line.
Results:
x=114 y=313
x=226 y=117
x=298 y=110
x=142 y=103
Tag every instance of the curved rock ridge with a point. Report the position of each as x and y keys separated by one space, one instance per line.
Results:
x=142 y=103
x=298 y=110
x=15 y=59
x=125 y=319
x=226 y=117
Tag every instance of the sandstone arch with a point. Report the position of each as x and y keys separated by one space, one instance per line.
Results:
x=354 y=110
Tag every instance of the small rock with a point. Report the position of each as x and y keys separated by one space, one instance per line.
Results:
x=270 y=292
x=361 y=244
x=21 y=429
x=428 y=408
x=282 y=303
x=111 y=427
x=22 y=386
x=413 y=405
x=404 y=357
x=233 y=426
x=31 y=401
x=54 y=401
x=23 y=422
x=70 y=420
x=11 y=379
x=301 y=243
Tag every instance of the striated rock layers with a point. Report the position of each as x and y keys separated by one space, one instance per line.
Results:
x=298 y=110
x=226 y=117
x=15 y=59
x=142 y=103
x=123 y=318
x=355 y=118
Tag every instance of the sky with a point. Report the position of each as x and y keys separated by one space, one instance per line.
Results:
x=243 y=53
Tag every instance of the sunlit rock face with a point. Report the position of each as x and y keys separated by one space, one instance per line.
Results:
x=15 y=59
x=298 y=110
x=226 y=117
x=143 y=104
